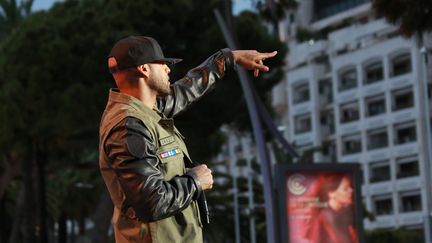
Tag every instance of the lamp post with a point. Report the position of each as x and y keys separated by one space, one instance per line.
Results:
x=271 y=221
x=426 y=114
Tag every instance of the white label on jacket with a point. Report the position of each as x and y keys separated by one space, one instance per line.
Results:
x=167 y=140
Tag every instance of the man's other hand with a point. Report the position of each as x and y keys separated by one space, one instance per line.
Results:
x=204 y=175
x=251 y=59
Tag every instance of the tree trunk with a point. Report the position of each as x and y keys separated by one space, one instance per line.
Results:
x=40 y=163
x=12 y=167
x=101 y=219
x=28 y=211
x=16 y=226
x=81 y=224
x=62 y=228
x=72 y=233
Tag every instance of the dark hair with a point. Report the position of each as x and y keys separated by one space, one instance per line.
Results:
x=326 y=183
x=131 y=75
x=322 y=186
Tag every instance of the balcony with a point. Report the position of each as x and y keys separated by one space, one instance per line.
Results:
x=405 y=133
x=373 y=73
x=302 y=124
x=380 y=171
x=347 y=84
x=410 y=202
x=375 y=106
x=407 y=167
x=411 y=218
x=348 y=79
x=402 y=99
x=325 y=92
x=349 y=112
x=383 y=205
x=377 y=138
x=326 y=8
x=351 y=144
x=301 y=93
x=401 y=65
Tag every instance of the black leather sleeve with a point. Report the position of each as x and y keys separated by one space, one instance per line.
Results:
x=132 y=153
x=197 y=82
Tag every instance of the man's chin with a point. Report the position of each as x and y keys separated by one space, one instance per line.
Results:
x=164 y=93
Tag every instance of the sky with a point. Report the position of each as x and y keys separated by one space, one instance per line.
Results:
x=42 y=4
x=239 y=5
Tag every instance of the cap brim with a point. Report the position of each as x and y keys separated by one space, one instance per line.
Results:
x=170 y=60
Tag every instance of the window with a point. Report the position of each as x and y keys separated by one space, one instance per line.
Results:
x=379 y=171
x=325 y=8
x=349 y=112
x=383 y=204
x=405 y=132
x=301 y=93
x=348 y=79
x=303 y=123
x=407 y=167
x=401 y=64
x=323 y=61
x=411 y=201
x=291 y=18
x=305 y=148
x=375 y=105
x=238 y=148
x=327 y=121
x=351 y=144
x=373 y=72
x=402 y=99
x=377 y=138
x=325 y=90
x=329 y=149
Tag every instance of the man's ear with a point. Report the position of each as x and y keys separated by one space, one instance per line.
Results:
x=112 y=65
x=144 y=70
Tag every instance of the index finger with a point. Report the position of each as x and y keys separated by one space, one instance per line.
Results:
x=265 y=55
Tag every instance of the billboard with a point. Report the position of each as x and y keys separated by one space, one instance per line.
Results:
x=320 y=203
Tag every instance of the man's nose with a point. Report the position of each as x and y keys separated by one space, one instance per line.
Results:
x=168 y=70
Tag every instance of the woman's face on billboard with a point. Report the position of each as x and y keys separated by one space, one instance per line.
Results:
x=343 y=193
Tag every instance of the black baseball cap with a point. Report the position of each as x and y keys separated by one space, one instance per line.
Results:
x=133 y=51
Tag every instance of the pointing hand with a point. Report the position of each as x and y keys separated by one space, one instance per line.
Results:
x=251 y=59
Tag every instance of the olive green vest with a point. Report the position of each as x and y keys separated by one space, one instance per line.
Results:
x=183 y=227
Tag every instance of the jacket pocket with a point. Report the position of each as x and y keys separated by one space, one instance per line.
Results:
x=172 y=163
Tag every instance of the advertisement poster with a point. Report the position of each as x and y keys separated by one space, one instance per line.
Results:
x=321 y=206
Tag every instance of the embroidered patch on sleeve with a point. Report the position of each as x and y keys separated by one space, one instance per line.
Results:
x=167 y=140
x=170 y=153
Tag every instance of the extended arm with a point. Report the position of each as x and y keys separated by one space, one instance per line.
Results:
x=198 y=81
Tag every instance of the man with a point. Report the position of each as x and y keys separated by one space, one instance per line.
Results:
x=145 y=164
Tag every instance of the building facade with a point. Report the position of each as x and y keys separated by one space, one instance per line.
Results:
x=359 y=90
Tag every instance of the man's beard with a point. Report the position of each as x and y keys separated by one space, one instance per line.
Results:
x=160 y=84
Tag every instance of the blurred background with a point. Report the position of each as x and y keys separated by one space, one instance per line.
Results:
x=351 y=83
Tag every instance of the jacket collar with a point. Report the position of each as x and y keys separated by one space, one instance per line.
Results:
x=115 y=96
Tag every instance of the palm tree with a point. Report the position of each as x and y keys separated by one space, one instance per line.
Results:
x=12 y=13
x=414 y=17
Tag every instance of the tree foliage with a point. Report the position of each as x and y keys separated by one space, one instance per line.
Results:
x=400 y=235
x=222 y=208
x=55 y=83
x=12 y=12
x=412 y=16
x=275 y=10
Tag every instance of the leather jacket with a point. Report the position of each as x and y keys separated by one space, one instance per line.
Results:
x=142 y=158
